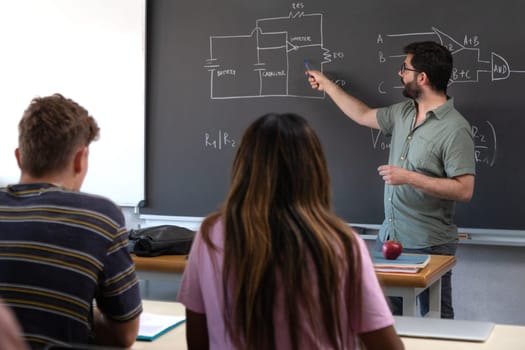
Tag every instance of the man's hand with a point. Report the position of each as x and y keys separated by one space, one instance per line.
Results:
x=317 y=80
x=393 y=175
x=459 y=188
x=111 y=333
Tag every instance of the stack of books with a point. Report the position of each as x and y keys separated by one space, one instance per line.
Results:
x=405 y=263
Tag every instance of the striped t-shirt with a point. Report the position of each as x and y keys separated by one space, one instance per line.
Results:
x=59 y=251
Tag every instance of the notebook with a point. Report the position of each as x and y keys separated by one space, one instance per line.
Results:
x=153 y=326
x=440 y=328
x=407 y=263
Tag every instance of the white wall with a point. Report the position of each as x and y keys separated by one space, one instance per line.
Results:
x=93 y=52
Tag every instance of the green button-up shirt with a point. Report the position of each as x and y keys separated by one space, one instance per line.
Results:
x=442 y=146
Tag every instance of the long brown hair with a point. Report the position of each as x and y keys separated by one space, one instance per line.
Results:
x=277 y=217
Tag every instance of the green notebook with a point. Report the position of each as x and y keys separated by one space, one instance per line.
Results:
x=403 y=259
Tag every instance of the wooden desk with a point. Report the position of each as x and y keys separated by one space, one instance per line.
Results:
x=503 y=336
x=410 y=285
x=163 y=263
x=159 y=267
x=407 y=286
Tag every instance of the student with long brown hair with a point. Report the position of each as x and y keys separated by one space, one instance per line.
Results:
x=275 y=268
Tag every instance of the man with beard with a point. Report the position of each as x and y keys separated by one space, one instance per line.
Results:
x=431 y=162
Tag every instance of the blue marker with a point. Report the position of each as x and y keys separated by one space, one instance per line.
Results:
x=306 y=64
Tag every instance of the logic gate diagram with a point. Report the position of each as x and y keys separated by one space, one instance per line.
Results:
x=270 y=60
x=468 y=63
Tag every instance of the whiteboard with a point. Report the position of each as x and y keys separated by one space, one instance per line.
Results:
x=92 y=51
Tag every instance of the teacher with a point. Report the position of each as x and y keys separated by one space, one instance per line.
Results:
x=431 y=162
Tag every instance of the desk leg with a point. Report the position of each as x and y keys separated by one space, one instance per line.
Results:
x=435 y=300
x=409 y=303
x=409 y=298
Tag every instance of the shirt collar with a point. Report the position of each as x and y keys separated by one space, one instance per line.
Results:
x=31 y=188
x=442 y=110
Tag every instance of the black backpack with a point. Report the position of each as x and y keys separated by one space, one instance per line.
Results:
x=160 y=240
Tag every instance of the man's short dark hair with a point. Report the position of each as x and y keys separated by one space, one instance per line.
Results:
x=434 y=59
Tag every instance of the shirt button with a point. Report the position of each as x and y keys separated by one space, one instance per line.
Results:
x=402 y=158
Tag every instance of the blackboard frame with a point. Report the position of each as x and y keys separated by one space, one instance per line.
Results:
x=364 y=61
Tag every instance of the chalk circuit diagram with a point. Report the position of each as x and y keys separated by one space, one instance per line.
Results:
x=270 y=61
x=469 y=66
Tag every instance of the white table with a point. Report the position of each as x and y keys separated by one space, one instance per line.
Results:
x=504 y=337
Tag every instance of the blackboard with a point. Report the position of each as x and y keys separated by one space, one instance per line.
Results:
x=214 y=66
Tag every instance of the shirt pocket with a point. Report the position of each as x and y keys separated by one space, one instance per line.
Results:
x=424 y=157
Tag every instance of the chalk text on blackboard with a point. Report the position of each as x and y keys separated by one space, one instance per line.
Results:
x=219 y=140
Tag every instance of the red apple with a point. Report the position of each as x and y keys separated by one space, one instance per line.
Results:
x=391 y=249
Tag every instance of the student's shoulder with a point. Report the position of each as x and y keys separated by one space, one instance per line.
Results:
x=93 y=203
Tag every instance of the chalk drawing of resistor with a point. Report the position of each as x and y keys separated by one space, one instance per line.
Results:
x=269 y=61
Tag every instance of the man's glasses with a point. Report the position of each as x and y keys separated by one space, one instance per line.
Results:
x=404 y=68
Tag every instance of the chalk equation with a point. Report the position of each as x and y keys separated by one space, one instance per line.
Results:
x=469 y=66
x=269 y=61
x=219 y=140
x=485 y=142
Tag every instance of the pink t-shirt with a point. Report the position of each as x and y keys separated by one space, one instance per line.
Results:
x=201 y=292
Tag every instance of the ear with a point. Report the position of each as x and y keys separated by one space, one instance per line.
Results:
x=80 y=160
x=422 y=78
x=17 y=156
